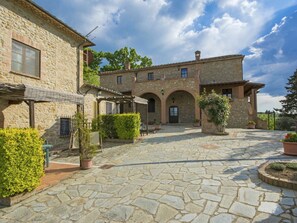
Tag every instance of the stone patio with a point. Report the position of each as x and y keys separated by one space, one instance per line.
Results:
x=175 y=175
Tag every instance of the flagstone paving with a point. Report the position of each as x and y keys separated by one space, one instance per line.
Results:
x=175 y=175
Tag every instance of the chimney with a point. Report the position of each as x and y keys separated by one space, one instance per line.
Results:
x=197 y=55
x=127 y=65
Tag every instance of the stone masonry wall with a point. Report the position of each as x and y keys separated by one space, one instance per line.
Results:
x=58 y=69
x=221 y=71
x=239 y=113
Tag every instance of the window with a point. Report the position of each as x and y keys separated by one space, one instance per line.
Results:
x=25 y=59
x=151 y=105
x=108 y=108
x=227 y=92
x=184 y=72
x=150 y=76
x=119 y=80
x=65 y=127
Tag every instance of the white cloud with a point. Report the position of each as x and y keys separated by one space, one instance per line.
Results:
x=255 y=53
x=268 y=102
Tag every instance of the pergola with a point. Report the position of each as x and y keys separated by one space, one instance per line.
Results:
x=124 y=99
x=18 y=93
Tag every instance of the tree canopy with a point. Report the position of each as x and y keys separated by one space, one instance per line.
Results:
x=118 y=60
x=115 y=61
x=91 y=69
x=289 y=104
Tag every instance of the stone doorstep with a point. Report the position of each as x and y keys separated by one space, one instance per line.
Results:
x=279 y=182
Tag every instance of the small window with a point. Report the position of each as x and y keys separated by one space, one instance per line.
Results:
x=119 y=80
x=227 y=92
x=150 y=76
x=184 y=72
x=151 y=105
x=25 y=59
x=65 y=127
x=108 y=108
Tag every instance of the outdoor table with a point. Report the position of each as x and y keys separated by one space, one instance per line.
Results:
x=46 y=148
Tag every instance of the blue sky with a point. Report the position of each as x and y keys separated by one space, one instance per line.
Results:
x=172 y=30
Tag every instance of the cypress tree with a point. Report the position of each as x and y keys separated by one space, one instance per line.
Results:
x=289 y=104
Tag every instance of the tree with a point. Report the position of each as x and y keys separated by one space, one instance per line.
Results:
x=119 y=59
x=289 y=104
x=91 y=69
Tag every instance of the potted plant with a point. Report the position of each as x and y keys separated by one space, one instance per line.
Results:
x=157 y=125
x=196 y=123
x=251 y=125
x=290 y=144
x=86 y=150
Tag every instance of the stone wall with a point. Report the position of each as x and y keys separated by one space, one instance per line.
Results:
x=239 y=113
x=110 y=81
x=221 y=71
x=172 y=72
x=58 y=69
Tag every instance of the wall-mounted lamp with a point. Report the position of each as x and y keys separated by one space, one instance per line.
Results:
x=99 y=93
x=173 y=99
x=162 y=91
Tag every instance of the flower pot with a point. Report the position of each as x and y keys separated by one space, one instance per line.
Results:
x=86 y=164
x=251 y=126
x=290 y=148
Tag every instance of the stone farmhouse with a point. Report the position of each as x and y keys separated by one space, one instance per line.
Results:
x=172 y=89
x=41 y=72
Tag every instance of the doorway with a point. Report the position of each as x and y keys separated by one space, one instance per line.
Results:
x=173 y=114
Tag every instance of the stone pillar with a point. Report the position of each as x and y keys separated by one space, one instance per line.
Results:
x=163 y=110
x=240 y=92
x=197 y=111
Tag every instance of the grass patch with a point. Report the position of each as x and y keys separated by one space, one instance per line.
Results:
x=292 y=166
x=277 y=166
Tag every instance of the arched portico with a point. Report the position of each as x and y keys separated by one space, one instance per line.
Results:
x=154 y=108
x=180 y=107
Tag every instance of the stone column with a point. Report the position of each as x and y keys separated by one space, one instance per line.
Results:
x=163 y=110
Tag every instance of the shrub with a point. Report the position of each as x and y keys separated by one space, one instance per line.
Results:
x=277 y=166
x=285 y=123
x=127 y=125
x=216 y=107
x=292 y=166
x=21 y=159
x=122 y=126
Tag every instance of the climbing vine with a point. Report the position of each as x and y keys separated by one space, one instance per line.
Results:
x=216 y=107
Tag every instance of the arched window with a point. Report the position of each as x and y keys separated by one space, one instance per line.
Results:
x=151 y=105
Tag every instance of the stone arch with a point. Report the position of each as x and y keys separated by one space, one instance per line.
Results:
x=153 y=116
x=184 y=101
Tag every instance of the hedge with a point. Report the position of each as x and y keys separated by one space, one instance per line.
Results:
x=21 y=159
x=121 y=126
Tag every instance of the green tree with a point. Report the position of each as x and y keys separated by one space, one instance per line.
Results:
x=289 y=104
x=118 y=60
x=91 y=70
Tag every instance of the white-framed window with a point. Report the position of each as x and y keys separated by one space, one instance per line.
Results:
x=25 y=59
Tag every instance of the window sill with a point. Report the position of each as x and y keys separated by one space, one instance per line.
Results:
x=25 y=75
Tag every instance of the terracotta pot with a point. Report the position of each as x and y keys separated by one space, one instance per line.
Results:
x=86 y=164
x=290 y=148
x=251 y=126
